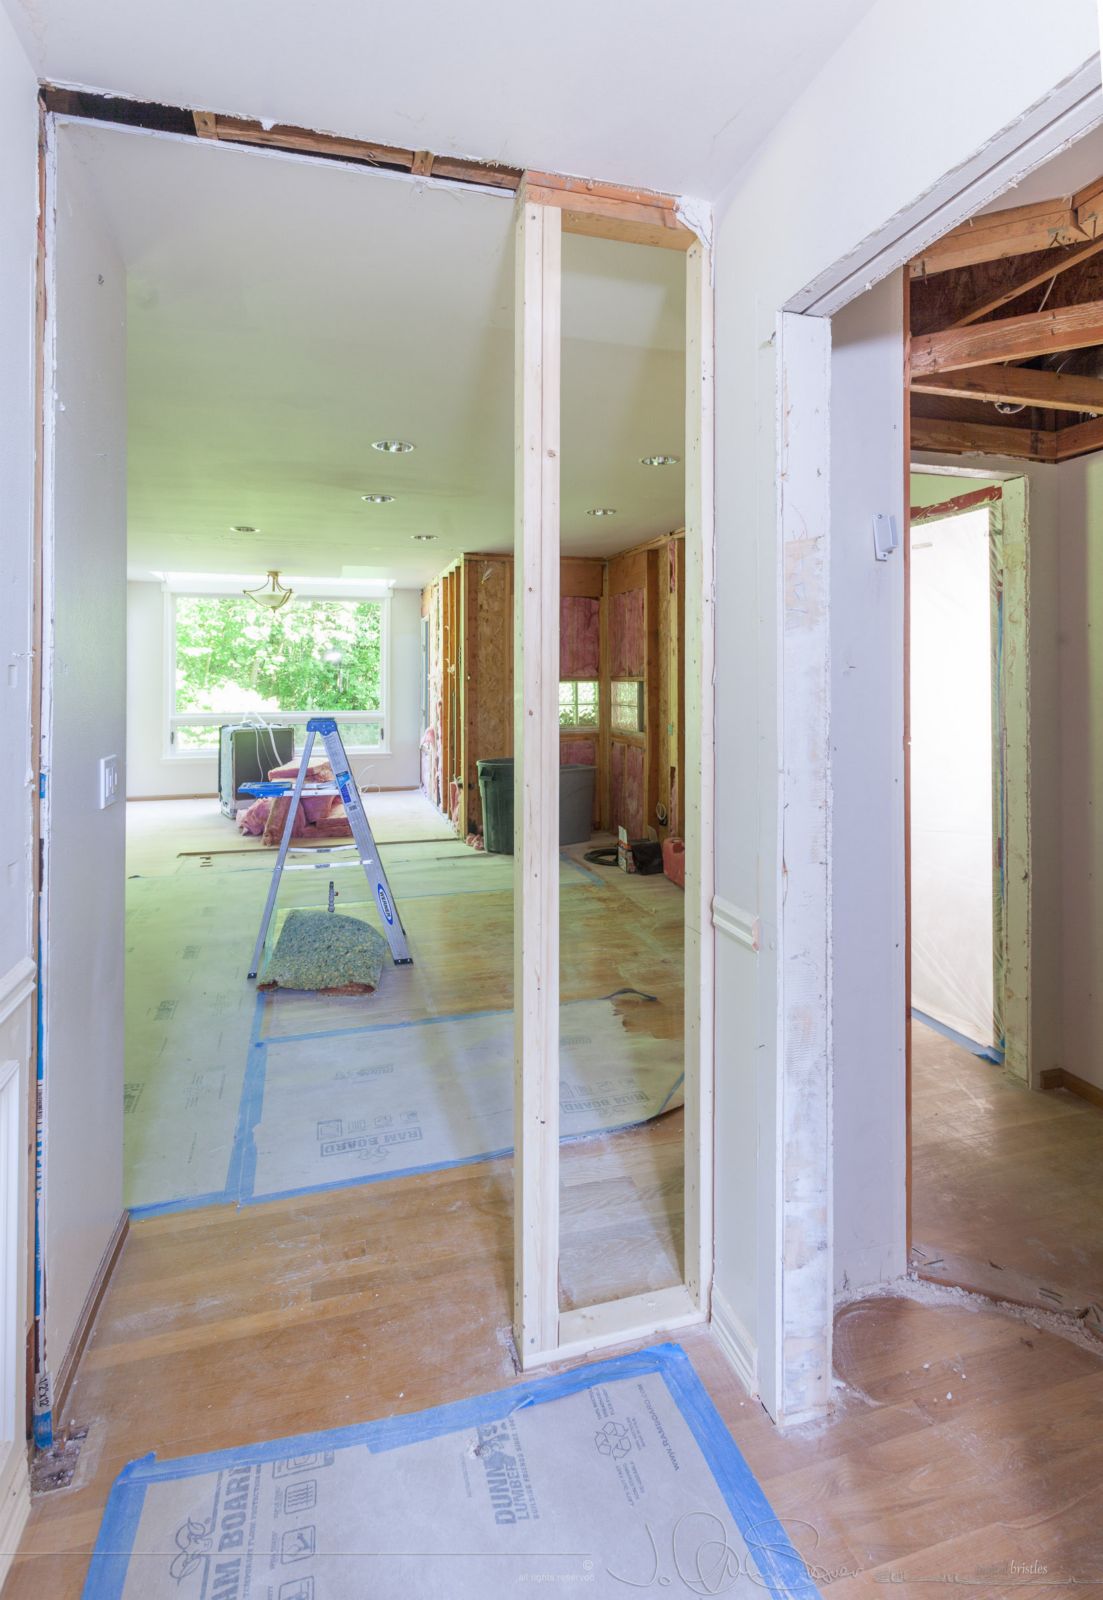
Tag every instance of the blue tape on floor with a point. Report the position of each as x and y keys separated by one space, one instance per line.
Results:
x=781 y=1570
x=987 y=1052
x=240 y=1186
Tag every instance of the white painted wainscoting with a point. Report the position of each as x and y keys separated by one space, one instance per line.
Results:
x=16 y=992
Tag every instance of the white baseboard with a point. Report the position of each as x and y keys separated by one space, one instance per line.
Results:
x=16 y=986
x=15 y=1504
x=735 y=1342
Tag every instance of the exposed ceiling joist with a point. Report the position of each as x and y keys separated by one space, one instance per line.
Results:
x=1028 y=386
x=996 y=234
x=1031 y=279
x=945 y=437
x=1039 y=333
x=1080 y=439
x=1043 y=225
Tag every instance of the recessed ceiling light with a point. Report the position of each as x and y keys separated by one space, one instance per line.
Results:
x=659 y=461
x=423 y=538
x=242 y=527
x=393 y=447
x=602 y=511
x=378 y=499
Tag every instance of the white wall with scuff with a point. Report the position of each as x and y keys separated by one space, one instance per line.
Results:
x=952 y=768
x=18 y=239
x=86 y=658
x=867 y=831
x=152 y=774
x=867 y=193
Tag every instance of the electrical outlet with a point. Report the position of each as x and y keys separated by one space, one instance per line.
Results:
x=109 y=780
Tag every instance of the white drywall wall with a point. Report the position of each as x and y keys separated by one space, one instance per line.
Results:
x=18 y=208
x=85 y=881
x=1080 y=510
x=867 y=826
x=847 y=162
x=952 y=767
x=150 y=772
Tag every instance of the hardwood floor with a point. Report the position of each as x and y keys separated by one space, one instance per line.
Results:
x=964 y=1439
x=1005 y=1197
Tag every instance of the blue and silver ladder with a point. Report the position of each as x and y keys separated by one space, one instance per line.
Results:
x=343 y=784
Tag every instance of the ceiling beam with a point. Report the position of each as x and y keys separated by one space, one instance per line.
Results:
x=1031 y=280
x=1039 y=333
x=995 y=234
x=945 y=437
x=609 y=211
x=1028 y=386
x=1079 y=439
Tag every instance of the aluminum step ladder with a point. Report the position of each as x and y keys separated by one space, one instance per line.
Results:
x=367 y=851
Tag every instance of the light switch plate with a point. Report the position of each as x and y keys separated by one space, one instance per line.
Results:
x=885 y=538
x=109 y=781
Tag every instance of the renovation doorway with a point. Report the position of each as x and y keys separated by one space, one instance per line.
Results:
x=956 y=771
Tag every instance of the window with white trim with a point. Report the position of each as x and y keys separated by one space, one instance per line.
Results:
x=231 y=661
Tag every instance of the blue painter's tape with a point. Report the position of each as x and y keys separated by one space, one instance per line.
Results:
x=782 y=1570
x=118 y=1531
x=242 y=1169
x=987 y=1052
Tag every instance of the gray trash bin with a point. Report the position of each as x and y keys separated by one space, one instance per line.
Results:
x=576 y=804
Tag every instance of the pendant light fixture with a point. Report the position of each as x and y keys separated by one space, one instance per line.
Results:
x=271 y=595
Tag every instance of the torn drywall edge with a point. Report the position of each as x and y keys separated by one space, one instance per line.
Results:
x=418 y=180
x=696 y=215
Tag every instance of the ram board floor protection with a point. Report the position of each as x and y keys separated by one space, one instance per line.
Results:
x=234 y=1098
x=615 y=1477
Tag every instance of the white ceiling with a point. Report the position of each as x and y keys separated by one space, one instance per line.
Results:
x=282 y=315
x=670 y=97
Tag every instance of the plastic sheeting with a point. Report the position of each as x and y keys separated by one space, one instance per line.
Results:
x=952 y=775
x=616 y=1477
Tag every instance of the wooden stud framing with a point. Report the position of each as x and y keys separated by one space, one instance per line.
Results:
x=608 y=211
x=536 y=799
x=1009 y=517
x=542 y=1331
x=699 y=780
